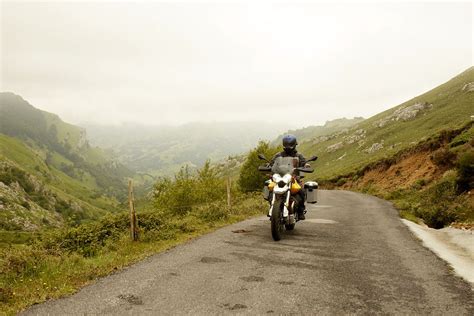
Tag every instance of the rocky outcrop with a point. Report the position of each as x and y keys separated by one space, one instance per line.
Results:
x=404 y=114
x=334 y=147
x=356 y=137
x=375 y=147
x=25 y=203
x=19 y=212
x=469 y=87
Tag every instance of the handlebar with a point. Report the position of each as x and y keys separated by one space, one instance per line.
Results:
x=306 y=170
x=267 y=169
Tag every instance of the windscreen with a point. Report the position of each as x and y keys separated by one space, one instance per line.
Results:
x=284 y=165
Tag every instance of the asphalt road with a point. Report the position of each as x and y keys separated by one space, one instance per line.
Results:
x=352 y=255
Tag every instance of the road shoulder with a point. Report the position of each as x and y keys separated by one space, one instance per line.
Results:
x=455 y=246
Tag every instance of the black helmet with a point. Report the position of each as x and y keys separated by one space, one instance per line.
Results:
x=289 y=143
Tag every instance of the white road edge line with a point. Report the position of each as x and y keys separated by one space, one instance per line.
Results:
x=459 y=258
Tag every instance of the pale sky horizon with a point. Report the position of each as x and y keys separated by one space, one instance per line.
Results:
x=162 y=63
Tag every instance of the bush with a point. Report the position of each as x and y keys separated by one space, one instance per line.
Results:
x=419 y=184
x=437 y=204
x=250 y=179
x=341 y=182
x=88 y=238
x=178 y=197
x=443 y=158
x=465 y=137
x=465 y=167
x=213 y=212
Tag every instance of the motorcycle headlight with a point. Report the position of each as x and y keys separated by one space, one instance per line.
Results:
x=281 y=181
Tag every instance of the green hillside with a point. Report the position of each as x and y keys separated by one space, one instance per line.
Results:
x=448 y=106
x=49 y=174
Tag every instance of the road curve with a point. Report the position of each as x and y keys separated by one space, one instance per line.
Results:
x=352 y=255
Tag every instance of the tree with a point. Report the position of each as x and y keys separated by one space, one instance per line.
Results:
x=250 y=179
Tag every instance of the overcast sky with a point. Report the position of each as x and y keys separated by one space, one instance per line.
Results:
x=163 y=63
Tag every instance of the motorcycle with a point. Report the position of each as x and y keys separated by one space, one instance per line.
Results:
x=282 y=189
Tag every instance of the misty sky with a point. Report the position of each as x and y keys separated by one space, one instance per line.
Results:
x=164 y=63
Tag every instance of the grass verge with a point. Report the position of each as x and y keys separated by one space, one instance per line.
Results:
x=438 y=204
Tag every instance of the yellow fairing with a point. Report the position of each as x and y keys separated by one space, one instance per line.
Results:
x=271 y=186
x=295 y=187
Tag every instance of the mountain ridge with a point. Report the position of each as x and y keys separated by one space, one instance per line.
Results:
x=49 y=172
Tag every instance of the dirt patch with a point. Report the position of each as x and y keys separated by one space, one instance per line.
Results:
x=402 y=174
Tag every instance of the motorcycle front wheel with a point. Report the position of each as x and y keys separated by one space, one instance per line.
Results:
x=277 y=226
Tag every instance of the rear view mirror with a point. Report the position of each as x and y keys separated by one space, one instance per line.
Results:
x=264 y=168
x=262 y=157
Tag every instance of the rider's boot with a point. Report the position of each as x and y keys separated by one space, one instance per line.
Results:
x=301 y=213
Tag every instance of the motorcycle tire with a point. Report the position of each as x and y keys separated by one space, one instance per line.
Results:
x=277 y=226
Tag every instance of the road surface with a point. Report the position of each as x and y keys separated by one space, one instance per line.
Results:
x=352 y=255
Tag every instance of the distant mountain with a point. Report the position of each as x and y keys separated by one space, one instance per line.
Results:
x=448 y=106
x=49 y=174
x=162 y=150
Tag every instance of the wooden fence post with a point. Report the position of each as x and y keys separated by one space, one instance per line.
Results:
x=229 y=202
x=133 y=215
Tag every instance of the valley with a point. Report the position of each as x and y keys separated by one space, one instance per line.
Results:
x=63 y=219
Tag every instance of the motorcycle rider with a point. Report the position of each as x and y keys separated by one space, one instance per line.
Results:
x=289 y=150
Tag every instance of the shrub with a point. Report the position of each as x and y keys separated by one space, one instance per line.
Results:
x=465 y=137
x=250 y=179
x=213 y=212
x=86 y=239
x=341 y=181
x=178 y=197
x=437 y=207
x=465 y=167
x=443 y=158
x=419 y=184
